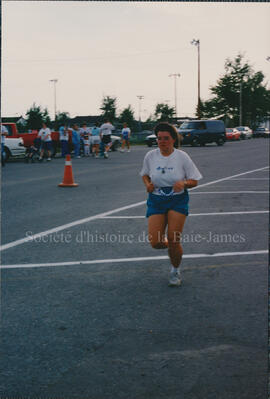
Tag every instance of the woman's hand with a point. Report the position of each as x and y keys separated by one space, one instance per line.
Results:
x=150 y=187
x=179 y=186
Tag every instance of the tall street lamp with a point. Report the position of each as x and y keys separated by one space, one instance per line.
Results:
x=240 y=104
x=54 y=81
x=197 y=44
x=175 y=75
x=140 y=98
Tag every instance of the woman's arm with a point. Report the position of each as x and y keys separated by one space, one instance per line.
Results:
x=148 y=184
x=183 y=184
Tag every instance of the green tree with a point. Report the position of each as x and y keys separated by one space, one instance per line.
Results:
x=226 y=95
x=164 y=113
x=127 y=115
x=61 y=119
x=35 y=116
x=108 y=108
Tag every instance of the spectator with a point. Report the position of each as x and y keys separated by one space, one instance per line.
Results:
x=46 y=141
x=106 y=131
x=64 y=137
x=86 y=142
x=4 y=133
x=95 y=140
x=76 y=140
x=125 y=137
x=85 y=133
x=32 y=150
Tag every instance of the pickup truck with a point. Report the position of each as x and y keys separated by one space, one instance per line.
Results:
x=29 y=137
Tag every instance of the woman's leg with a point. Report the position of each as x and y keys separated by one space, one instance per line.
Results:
x=156 y=230
x=176 y=223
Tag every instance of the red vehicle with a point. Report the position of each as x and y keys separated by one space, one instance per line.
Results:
x=29 y=137
x=232 y=134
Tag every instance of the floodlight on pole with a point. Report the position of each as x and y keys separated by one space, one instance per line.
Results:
x=197 y=44
x=54 y=81
x=175 y=75
x=140 y=98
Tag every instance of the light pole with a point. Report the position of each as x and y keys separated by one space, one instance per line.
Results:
x=240 y=105
x=140 y=98
x=54 y=81
x=197 y=44
x=175 y=75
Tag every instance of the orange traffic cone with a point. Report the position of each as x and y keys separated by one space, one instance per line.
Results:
x=68 y=175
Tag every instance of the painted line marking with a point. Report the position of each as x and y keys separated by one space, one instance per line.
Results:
x=191 y=214
x=125 y=260
x=252 y=178
x=94 y=217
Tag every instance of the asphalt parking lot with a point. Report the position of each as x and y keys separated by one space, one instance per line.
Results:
x=86 y=309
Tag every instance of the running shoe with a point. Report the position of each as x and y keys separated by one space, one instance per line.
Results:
x=175 y=277
x=105 y=155
x=48 y=159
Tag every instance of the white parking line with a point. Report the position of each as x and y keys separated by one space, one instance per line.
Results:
x=191 y=214
x=126 y=260
x=100 y=215
x=252 y=178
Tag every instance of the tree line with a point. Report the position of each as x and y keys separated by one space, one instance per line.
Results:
x=240 y=90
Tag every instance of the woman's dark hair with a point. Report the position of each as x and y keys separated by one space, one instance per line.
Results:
x=167 y=127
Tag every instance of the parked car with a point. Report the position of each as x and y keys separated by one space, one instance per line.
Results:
x=261 y=132
x=201 y=132
x=232 y=134
x=116 y=142
x=14 y=147
x=151 y=140
x=245 y=132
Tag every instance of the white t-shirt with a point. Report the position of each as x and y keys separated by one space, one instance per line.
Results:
x=166 y=171
x=3 y=137
x=106 y=128
x=63 y=133
x=126 y=132
x=84 y=131
x=45 y=134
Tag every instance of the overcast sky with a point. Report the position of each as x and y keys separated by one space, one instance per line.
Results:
x=123 y=49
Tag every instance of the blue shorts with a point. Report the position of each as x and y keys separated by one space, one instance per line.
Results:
x=46 y=145
x=161 y=204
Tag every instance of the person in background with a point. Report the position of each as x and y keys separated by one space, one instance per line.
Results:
x=106 y=131
x=125 y=137
x=33 y=150
x=76 y=140
x=46 y=141
x=86 y=142
x=64 y=137
x=84 y=132
x=4 y=133
x=167 y=174
x=95 y=140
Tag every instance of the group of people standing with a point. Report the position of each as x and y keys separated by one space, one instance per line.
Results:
x=85 y=139
x=93 y=138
